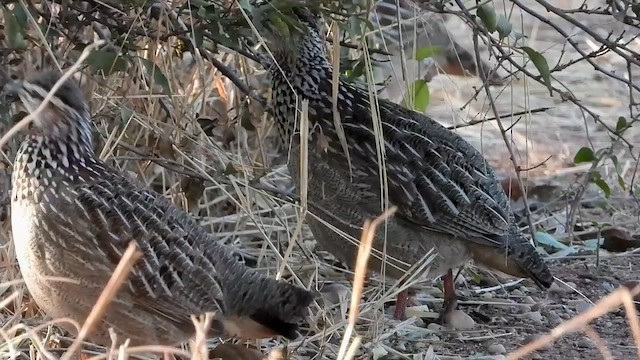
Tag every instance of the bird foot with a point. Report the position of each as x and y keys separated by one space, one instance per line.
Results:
x=448 y=307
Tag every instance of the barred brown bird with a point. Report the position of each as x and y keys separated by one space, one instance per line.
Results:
x=73 y=216
x=447 y=195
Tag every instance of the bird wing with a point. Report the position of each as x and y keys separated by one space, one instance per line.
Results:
x=435 y=178
x=176 y=251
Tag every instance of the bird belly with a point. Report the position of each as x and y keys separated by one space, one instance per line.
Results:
x=31 y=252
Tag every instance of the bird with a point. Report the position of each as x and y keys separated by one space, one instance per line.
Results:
x=73 y=216
x=446 y=194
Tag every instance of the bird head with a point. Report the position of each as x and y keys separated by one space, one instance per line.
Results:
x=288 y=28
x=66 y=106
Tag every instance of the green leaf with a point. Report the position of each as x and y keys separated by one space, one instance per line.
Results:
x=517 y=36
x=583 y=155
x=107 y=61
x=13 y=30
x=427 y=52
x=621 y=183
x=420 y=95
x=621 y=125
x=21 y=15
x=157 y=74
x=541 y=64
x=603 y=186
x=504 y=27
x=488 y=17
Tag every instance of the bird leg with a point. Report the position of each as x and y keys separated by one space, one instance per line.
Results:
x=450 y=297
x=401 y=305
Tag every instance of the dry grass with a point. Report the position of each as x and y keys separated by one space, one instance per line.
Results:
x=170 y=151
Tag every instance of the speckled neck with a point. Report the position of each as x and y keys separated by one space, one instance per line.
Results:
x=299 y=74
x=53 y=153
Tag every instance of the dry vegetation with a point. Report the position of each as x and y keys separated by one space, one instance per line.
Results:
x=198 y=139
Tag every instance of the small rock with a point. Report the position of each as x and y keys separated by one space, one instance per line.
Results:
x=608 y=286
x=528 y=290
x=486 y=295
x=459 y=320
x=583 y=306
x=434 y=327
x=585 y=343
x=533 y=337
x=419 y=323
x=496 y=349
x=523 y=309
x=554 y=319
x=529 y=300
x=435 y=292
x=536 y=307
x=534 y=316
x=517 y=292
x=420 y=345
x=558 y=288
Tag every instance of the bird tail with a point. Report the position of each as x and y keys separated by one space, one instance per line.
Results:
x=530 y=261
x=519 y=259
x=260 y=307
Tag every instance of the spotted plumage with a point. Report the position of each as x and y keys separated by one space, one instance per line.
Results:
x=73 y=216
x=447 y=195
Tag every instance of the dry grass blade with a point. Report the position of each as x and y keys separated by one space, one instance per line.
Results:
x=364 y=250
x=72 y=70
x=130 y=256
x=622 y=296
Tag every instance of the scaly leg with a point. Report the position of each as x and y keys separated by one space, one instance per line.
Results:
x=450 y=297
x=401 y=305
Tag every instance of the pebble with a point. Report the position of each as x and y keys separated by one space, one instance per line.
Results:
x=529 y=300
x=459 y=320
x=534 y=316
x=583 y=306
x=517 y=292
x=616 y=354
x=534 y=337
x=434 y=327
x=435 y=292
x=523 y=309
x=496 y=349
x=486 y=295
x=558 y=288
x=421 y=345
x=554 y=319
x=585 y=343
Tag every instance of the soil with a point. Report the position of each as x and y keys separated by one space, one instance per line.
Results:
x=536 y=312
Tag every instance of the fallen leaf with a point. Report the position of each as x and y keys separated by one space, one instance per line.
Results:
x=618 y=240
